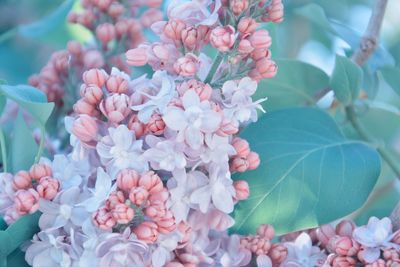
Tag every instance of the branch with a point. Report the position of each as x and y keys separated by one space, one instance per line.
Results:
x=370 y=40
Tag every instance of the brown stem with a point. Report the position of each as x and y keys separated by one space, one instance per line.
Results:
x=370 y=40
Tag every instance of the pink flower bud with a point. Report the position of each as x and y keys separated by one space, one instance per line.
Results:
x=278 y=253
x=83 y=107
x=136 y=57
x=345 y=228
x=127 y=179
x=247 y=25
x=146 y=231
x=260 y=53
x=173 y=29
x=115 y=198
x=72 y=17
x=92 y=94
x=156 y=124
x=93 y=59
x=105 y=33
x=227 y=128
x=223 y=38
x=204 y=91
x=85 y=128
x=343 y=246
x=239 y=6
x=115 y=10
x=266 y=67
x=378 y=263
x=254 y=160
x=117 y=84
x=152 y=3
x=241 y=146
x=267 y=231
x=26 y=201
x=102 y=4
x=151 y=182
x=260 y=39
x=339 y=261
x=325 y=233
x=121 y=28
x=186 y=233
x=187 y=66
x=138 y=195
x=156 y=210
x=239 y=164
x=48 y=187
x=166 y=224
x=151 y=16
x=22 y=180
x=241 y=189
x=245 y=47
x=103 y=219
x=95 y=76
x=137 y=126
x=391 y=254
x=396 y=237
x=193 y=38
x=274 y=12
x=115 y=107
x=122 y=213
x=38 y=171
x=11 y=215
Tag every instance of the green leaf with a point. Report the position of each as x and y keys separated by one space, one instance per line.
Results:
x=5 y=241
x=43 y=26
x=31 y=99
x=309 y=175
x=3 y=224
x=17 y=259
x=392 y=77
x=23 y=229
x=315 y=14
x=346 y=80
x=296 y=83
x=23 y=147
x=3 y=101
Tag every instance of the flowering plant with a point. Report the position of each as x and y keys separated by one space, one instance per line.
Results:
x=179 y=166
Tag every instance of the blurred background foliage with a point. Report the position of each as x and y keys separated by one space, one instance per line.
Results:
x=313 y=32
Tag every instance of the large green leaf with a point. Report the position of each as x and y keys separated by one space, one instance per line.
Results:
x=31 y=99
x=23 y=229
x=296 y=83
x=346 y=80
x=17 y=259
x=310 y=174
x=23 y=147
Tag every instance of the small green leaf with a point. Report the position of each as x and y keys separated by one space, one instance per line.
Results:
x=309 y=175
x=3 y=224
x=346 y=80
x=23 y=147
x=31 y=99
x=23 y=229
x=296 y=83
x=392 y=77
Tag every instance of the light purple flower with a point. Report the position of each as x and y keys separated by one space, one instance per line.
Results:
x=301 y=252
x=232 y=253
x=100 y=192
x=48 y=250
x=6 y=192
x=180 y=188
x=194 y=12
x=238 y=102
x=374 y=236
x=120 y=250
x=193 y=121
x=164 y=154
x=63 y=211
x=120 y=150
x=164 y=86
x=219 y=191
